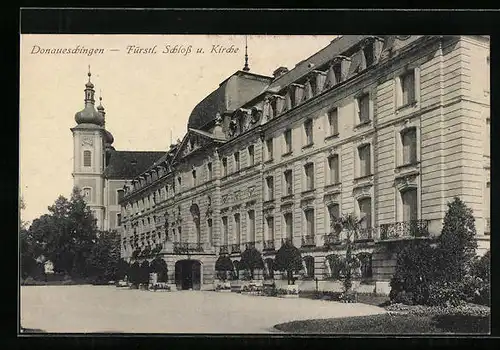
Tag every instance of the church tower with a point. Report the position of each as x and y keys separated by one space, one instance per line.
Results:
x=90 y=140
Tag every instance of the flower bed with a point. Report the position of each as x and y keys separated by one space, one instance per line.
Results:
x=292 y=291
x=464 y=310
x=160 y=286
x=121 y=284
x=223 y=287
x=253 y=289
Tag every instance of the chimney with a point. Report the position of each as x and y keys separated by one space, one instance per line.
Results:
x=279 y=72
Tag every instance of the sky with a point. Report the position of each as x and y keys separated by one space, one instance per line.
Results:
x=147 y=96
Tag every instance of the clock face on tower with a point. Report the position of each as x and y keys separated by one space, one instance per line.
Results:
x=87 y=141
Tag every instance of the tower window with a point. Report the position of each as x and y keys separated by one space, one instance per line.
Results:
x=120 y=194
x=87 y=158
x=87 y=194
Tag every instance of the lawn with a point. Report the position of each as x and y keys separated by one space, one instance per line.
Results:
x=391 y=324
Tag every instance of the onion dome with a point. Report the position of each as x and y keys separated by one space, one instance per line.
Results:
x=89 y=115
x=108 y=137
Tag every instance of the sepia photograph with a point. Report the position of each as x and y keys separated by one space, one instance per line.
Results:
x=254 y=184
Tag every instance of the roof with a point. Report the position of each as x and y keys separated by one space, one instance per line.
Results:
x=336 y=47
x=129 y=164
x=231 y=93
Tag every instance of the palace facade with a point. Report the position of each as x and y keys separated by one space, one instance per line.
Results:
x=389 y=128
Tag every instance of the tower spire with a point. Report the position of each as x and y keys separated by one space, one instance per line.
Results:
x=246 y=68
x=100 y=108
x=89 y=90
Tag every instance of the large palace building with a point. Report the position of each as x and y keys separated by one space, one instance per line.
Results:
x=389 y=128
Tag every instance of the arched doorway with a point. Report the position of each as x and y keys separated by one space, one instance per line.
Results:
x=188 y=274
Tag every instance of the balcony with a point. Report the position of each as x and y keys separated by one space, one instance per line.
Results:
x=269 y=245
x=364 y=234
x=308 y=241
x=332 y=239
x=235 y=248
x=224 y=249
x=187 y=247
x=406 y=229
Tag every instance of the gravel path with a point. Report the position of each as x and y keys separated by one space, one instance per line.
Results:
x=87 y=309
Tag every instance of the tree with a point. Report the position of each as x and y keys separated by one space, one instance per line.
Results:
x=223 y=265
x=23 y=225
x=351 y=225
x=251 y=259
x=104 y=256
x=415 y=273
x=159 y=266
x=289 y=260
x=457 y=243
x=134 y=272
x=66 y=235
x=122 y=269
x=144 y=272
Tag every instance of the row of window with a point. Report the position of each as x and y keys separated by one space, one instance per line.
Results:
x=409 y=212
x=409 y=156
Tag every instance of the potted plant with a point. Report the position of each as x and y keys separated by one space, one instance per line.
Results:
x=288 y=259
x=251 y=259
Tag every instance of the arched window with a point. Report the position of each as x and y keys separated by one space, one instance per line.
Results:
x=334 y=266
x=87 y=158
x=309 y=262
x=365 y=260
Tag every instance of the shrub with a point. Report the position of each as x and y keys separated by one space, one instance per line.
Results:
x=456 y=244
x=223 y=265
x=446 y=294
x=482 y=274
x=251 y=260
x=414 y=274
x=288 y=259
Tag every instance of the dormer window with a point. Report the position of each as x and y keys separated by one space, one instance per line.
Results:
x=194 y=177
x=368 y=52
x=237 y=161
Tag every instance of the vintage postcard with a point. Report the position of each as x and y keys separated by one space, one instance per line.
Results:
x=254 y=184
